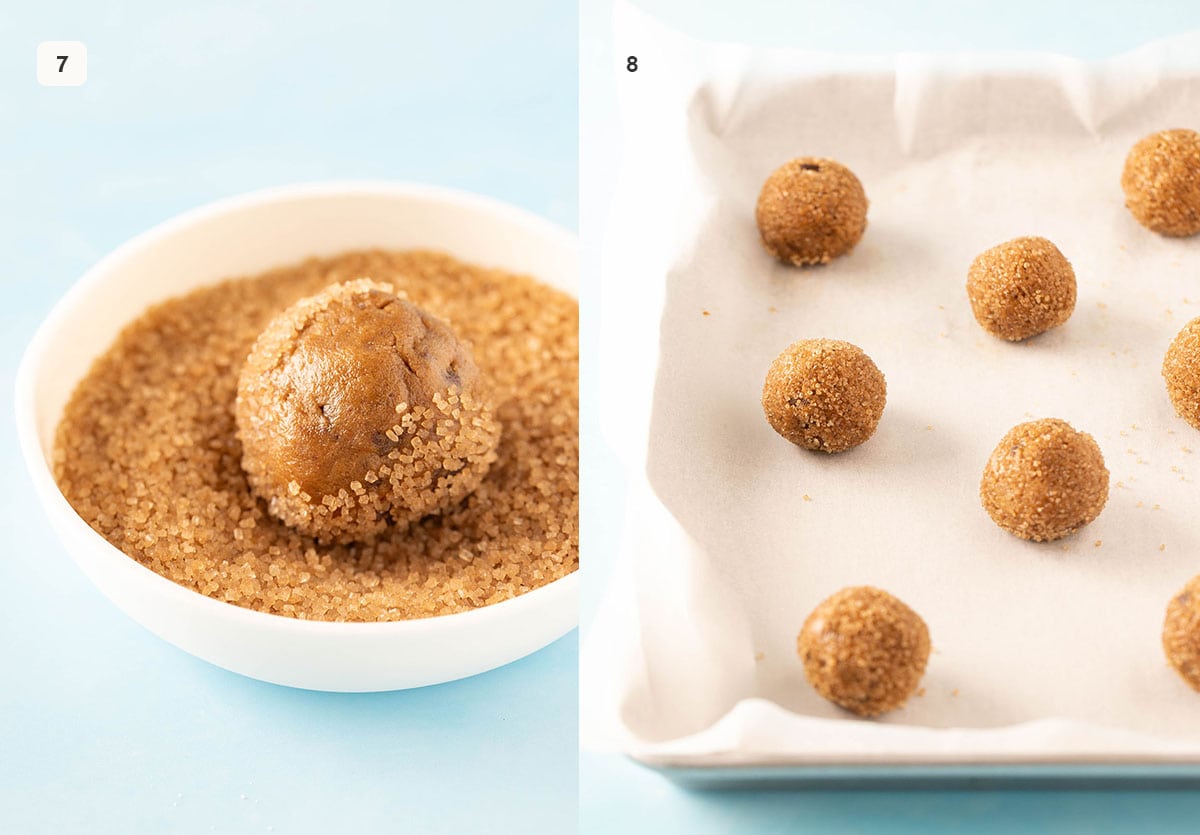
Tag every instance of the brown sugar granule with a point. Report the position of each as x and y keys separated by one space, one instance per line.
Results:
x=1021 y=288
x=811 y=210
x=864 y=650
x=1181 y=370
x=147 y=450
x=1161 y=180
x=1044 y=480
x=824 y=394
x=1181 y=633
x=357 y=409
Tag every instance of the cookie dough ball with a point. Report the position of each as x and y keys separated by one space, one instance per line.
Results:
x=1181 y=370
x=811 y=210
x=864 y=650
x=1181 y=633
x=1021 y=288
x=356 y=409
x=824 y=394
x=1161 y=181
x=1044 y=480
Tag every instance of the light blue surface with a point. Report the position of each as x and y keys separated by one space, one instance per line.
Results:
x=104 y=728
x=617 y=795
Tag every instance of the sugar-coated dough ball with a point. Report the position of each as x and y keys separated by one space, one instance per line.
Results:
x=1161 y=180
x=811 y=210
x=1181 y=370
x=864 y=650
x=357 y=409
x=1181 y=633
x=1021 y=288
x=824 y=394
x=1044 y=480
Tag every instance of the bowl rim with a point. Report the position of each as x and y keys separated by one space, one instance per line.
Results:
x=60 y=509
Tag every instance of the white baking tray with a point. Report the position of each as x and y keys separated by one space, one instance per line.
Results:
x=1044 y=654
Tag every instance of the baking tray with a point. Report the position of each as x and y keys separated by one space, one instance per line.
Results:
x=689 y=666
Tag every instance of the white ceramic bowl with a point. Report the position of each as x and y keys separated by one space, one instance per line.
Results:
x=246 y=235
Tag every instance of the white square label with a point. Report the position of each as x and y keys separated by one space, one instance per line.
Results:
x=61 y=63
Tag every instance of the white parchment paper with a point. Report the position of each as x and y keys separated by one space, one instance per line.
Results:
x=732 y=535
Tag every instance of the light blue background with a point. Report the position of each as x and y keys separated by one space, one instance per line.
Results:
x=104 y=728
x=620 y=796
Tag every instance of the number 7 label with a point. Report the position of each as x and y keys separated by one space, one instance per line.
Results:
x=61 y=63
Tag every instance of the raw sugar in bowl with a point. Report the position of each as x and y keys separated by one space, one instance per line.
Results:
x=381 y=642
